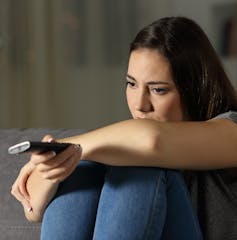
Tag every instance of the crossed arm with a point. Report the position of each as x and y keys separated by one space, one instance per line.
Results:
x=179 y=145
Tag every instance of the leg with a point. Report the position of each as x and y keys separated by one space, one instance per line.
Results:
x=71 y=214
x=132 y=204
x=181 y=221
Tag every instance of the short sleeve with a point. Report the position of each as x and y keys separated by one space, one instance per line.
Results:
x=231 y=115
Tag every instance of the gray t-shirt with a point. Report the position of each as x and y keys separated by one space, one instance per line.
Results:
x=231 y=115
x=214 y=196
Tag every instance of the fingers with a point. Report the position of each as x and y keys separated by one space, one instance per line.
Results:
x=16 y=192
x=60 y=158
x=38 y=158
x=41 y=157
x=47 y=138
x=26 y=205
x=57 y=167
x=19 y=190
x=23 y=177
x=21 y=184
x=62 y=165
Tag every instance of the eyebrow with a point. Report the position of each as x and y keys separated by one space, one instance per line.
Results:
x=150 y=82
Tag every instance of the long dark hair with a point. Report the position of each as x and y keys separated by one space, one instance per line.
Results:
x=199 y=76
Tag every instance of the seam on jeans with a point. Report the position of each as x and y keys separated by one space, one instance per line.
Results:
x=154 y=207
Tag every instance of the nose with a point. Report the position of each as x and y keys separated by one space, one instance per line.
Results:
x=143 y=103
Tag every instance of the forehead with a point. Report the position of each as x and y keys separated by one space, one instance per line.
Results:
x=147 y=64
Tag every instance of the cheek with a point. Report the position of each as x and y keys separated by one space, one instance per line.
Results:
x=170 y=110
x=175 y=110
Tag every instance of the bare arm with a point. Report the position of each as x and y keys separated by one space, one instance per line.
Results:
x=41 y=192
x=182 y=145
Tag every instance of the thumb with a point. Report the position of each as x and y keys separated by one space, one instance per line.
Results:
x=48 y=138
x=26 y=205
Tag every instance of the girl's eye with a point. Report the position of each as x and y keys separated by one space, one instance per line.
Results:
x=159 y=91
x=130 y=84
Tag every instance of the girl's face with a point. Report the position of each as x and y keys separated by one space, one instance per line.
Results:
x=151 y=92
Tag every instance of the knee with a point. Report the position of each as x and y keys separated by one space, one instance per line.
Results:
x=175 y=178
x=120 y=175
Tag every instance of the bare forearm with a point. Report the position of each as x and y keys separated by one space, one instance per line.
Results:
x=181 y=145
x=41 y=192
x=123 y=143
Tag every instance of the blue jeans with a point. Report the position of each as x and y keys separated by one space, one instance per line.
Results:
x=121 y=203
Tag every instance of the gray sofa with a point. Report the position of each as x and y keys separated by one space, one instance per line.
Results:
x=13 y=225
